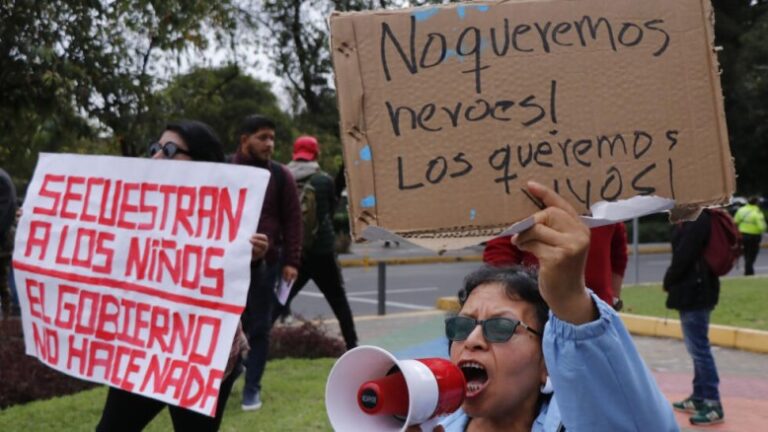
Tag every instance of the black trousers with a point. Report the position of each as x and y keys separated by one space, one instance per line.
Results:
x=130 y=412
x=325 y=272
x=751 y=248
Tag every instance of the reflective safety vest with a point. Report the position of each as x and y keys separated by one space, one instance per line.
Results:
x=750 y=220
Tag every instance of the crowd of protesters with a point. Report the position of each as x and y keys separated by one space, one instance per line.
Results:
x=295 y=243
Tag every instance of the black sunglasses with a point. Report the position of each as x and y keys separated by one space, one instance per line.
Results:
x=169 y=149
x=495 y=330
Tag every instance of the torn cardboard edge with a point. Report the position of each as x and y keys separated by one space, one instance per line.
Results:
x=602 y=213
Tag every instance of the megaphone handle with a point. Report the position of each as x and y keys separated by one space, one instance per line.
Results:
x=430 y=425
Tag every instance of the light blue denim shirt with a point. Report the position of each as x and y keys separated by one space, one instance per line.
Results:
x=601 y=383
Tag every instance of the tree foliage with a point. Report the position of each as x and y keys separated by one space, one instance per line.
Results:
x=222 y=97
x=741 y=31
x=75 y=71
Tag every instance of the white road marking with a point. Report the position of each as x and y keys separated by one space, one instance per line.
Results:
x=395 y=291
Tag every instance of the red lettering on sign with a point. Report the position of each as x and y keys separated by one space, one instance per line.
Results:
x=60 y=258
x=65 y=322
x=207 y=213
x=212 y=272
x=120 y=352
x=54 y=195
x=155 y=375
x=46 y=344
x=190 y=252
x=104 y=218
x=184 y=212
x=172 y=265
x=141 y=321
x=108 y=318
x=88 y=304
x=210 y=338
x=71 y=196
x=212 y=389
x=125 y=336
x=36 y=241
x=167 y=191
x=94 y=360
x=193 y=388
x=175 y=377
x=36 y=296
x=104 y=251
x=137 y=261
x=127 y=384
x=84 y=215
x=225 y=209
x=158 y=330
x=79 y=354
x=126 y=208
x=88 y=236
x=145 y=208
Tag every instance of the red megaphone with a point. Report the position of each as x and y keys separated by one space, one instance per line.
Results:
x=370 y=389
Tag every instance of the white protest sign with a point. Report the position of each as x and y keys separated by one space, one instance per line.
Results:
x=134 y=272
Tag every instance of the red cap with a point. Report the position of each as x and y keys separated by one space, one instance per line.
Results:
x=305 y=148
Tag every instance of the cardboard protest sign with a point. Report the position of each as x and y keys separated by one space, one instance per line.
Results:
x=447 y=111
x=134 y=272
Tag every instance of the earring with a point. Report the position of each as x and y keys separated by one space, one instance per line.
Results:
x=546 y=388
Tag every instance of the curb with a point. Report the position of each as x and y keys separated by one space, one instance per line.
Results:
x=720 y=335
x=366 y=261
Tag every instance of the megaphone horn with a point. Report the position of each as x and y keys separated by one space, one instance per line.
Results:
x=369 y=389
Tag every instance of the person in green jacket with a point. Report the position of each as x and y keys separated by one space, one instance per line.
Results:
x=751 y=223
x=318 y=260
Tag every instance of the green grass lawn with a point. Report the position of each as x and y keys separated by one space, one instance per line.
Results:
x=743 y=302
x=293 y=395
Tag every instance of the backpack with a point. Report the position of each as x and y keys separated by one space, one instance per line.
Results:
x=724 y=246
x=308 y=203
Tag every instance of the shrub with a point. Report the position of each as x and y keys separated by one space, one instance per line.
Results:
x=305 y=340
x=24 y=379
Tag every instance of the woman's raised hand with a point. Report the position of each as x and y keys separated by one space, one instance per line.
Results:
x=560 y=241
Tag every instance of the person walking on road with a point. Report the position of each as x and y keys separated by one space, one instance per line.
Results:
x=318 y=261
x=694 y=290
x=281 y=222
x=751 y=222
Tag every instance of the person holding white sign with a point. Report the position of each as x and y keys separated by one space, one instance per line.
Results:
x=125 y=411
x=548 y=355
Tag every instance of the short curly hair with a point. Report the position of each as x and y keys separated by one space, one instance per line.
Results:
x=518 y=282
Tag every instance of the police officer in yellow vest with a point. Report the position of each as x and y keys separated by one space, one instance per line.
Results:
x=751 y=222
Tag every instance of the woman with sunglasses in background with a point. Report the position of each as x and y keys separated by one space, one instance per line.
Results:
x=548 y=355
x=124 y=411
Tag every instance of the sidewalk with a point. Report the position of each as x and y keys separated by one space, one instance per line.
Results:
x=743 y=375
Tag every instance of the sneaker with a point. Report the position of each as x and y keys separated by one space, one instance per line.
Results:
x=689 y=405
x=251 y=401
x=711 y=413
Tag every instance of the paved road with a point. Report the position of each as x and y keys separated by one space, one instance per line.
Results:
x=743 y=375
x=415 y=287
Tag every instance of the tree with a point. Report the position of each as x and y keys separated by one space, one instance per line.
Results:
x=741 y=29
x=222 y=97
x=73 y=71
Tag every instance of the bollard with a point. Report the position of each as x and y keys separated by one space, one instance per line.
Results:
x=382 y=288
x=636 y=248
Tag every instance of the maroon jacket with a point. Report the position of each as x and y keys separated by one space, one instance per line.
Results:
x=607 y=255
x=280 y=213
